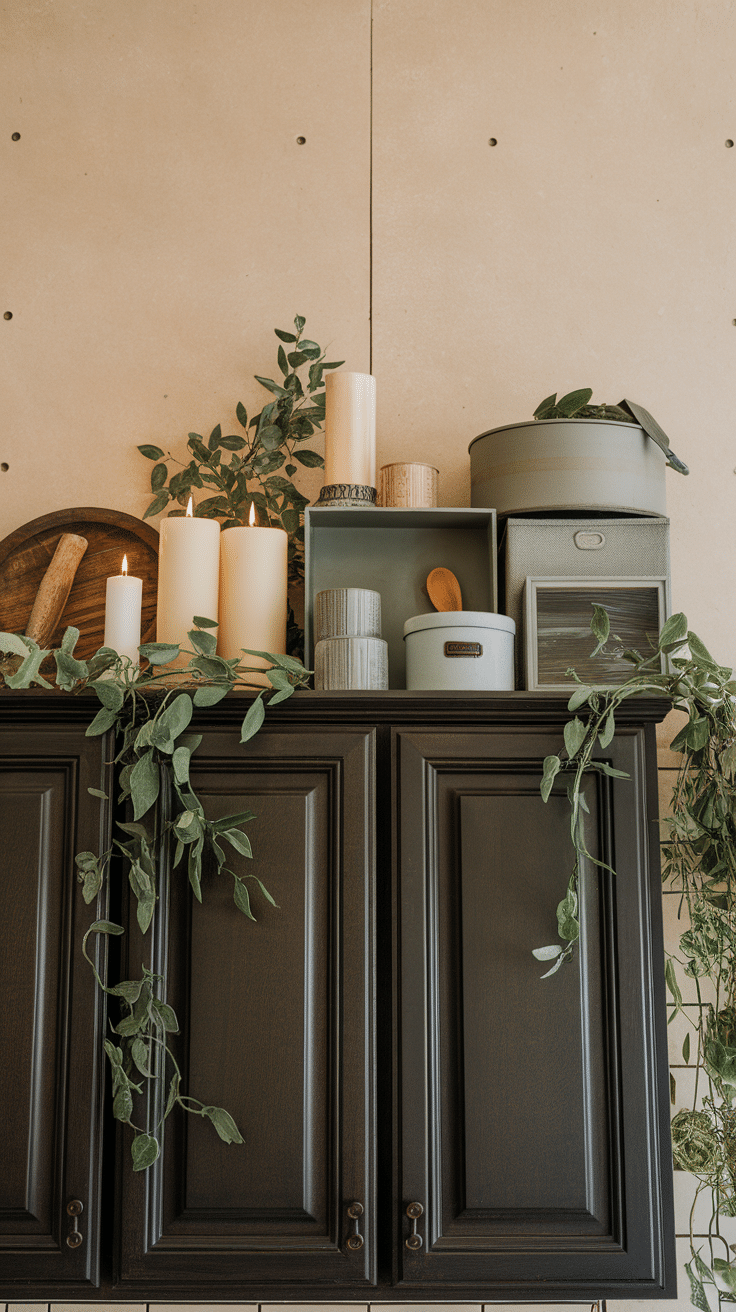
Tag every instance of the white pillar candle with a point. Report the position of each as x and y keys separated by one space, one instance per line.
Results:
x=253 y=573
x=350 y=429
x=188 y=577
x=123 y=603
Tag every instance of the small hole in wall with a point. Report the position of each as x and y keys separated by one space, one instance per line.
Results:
x=15 y=136
x=492 y=141
x=4 y=467
x=729 y=142
x=301 y=141
x=8 y=314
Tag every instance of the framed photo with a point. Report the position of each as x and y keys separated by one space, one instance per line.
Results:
x=557 y=635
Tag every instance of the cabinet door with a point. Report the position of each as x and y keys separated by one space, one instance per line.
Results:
x=277 y=1028
x=50 y=1081
x=533 y=1113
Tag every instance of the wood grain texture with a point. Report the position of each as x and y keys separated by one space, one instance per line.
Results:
x=27 y=553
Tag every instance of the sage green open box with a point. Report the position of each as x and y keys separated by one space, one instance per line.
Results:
x=392 y=550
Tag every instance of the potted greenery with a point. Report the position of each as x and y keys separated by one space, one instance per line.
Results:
x=573 y=455
x=256 y=466
x=700 y=865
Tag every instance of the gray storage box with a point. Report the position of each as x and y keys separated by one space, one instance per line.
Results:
x=392 y=550
x=589 y=546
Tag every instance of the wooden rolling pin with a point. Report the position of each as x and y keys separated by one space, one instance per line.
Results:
x=54 y=588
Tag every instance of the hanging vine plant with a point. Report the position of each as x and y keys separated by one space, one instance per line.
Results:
x=700 y=865
x=151 y=720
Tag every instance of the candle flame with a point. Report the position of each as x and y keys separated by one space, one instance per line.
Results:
x=124 y=566
x=190 y=512
x=252 y=515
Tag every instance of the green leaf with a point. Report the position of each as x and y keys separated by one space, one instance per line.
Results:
x=242 y=414
x=241 y=899
x=545 y=406
x=141 y=1056
x=180 y=763
x=145 y=782
x=253 y=720
x=697 y=1293
x=105 y=927
x=299 y=322
x=214 y=438
x=122 y=1104
x=271 y=386
x=600 y=626
x=69 y=671
x=173 y=1093
x=573 y=401
x=671 y=982
x=284 y=337
x=605 y=768
x=29 y=671
x=203 y=623
x=159 y=474
x=224 y=1124
x=109 y=693
x=309 y=458
x=203 y=642
x=10 y=642
x=144 y=1151
x=159 y=503
x=605 y=737
x=175 y=719
x=574 y=734
x=167 y=1016
x=103 y=721
x=697 y=733
x=151 y=452
x=686 y=1049
x=210 y=696
x=239 y=841
x=698 y=649
x=547 y=954
x=673 y=630
x=579 y=697
x=552 y=766
x=159 y=653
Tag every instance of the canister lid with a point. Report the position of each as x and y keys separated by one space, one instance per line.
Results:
x=460 y=619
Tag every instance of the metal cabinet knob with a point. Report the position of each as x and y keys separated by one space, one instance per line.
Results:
x=355 y=1241
x=414 y=1240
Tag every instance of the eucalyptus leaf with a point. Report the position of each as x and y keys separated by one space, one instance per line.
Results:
x=151 y=452
x=253 y=720
x=210 y=696
x=159 y=653
x=145 y=782
x=144 y=1151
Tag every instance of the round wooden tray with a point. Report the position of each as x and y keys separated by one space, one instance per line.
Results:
x=26 y=554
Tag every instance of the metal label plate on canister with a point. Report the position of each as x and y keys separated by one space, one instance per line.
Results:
x=463 y=649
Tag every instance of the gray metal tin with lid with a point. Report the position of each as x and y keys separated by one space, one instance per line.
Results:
x=463 y=649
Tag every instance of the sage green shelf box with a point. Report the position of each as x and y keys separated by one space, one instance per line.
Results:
x=393 y=550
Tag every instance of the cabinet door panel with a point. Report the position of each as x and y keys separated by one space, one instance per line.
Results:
x=278 y=1028
x=52 y=1018
x=535 y=1098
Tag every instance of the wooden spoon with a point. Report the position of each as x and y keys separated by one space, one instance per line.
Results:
x=444 y=589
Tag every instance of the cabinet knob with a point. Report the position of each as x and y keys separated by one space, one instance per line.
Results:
x=355 y=1241
x=414 y=1240
x=75 y=1237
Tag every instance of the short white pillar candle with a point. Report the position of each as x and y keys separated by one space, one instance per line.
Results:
x=123 y=604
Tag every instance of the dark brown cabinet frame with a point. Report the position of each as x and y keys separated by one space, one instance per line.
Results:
x=514 y=1131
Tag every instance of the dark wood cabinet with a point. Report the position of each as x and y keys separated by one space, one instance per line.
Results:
x=382 y=1037
x=52 y=1018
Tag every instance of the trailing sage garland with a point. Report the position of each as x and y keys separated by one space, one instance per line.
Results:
x=152 y=732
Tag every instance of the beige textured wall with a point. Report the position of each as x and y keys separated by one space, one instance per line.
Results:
x=159 y=220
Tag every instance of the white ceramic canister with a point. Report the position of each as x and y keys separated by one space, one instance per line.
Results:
x=460 y=649
x=350 y=662
x=347 y=613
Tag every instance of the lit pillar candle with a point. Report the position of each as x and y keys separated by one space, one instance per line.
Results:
x=123 y=602
x=350 y=429
x=253 y=573
x=188 y=576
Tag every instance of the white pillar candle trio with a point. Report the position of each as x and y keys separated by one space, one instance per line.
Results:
x=239 y=576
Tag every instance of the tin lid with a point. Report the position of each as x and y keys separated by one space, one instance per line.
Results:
x=460 y=619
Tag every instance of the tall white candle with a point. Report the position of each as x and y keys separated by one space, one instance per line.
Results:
x=350 y=428
x=253 y=573
x=188 y=576
x=123 y=603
